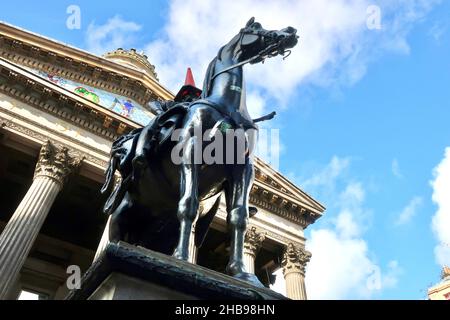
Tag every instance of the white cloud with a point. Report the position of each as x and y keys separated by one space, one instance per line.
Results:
x=326 y=178
x=342 y=265
x=441 y=219
x=279 y=285
x=438 y=30
x=409 y=211
x=115 y=33
x=394 y=271
x=335 y=44
x=395 y=167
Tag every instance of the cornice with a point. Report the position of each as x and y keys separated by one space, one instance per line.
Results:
x=62 y=59
x=133 y=57
x=272 y=178
x=438 y=288
x=44 y=95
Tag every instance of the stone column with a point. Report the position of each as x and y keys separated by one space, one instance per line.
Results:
x=103 y=241
x=252 y=243
x=294 y=263
x=53 y=167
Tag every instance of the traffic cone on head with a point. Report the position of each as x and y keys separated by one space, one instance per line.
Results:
x=189 y=78
x=189 y=91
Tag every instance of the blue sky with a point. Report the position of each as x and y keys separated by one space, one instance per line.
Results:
x=363 y=118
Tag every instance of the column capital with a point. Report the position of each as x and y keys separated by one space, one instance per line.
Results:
x=55 y=163
x=253 y=240
x=295 y=259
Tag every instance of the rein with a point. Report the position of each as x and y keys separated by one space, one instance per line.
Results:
x=269 y=52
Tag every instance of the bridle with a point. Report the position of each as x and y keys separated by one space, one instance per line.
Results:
x=269 y=52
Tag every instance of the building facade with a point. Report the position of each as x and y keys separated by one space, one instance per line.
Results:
x=441 y=291
x=60 y=110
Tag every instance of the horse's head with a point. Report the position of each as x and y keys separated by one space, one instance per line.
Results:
x=258 y=43
x=251 y=45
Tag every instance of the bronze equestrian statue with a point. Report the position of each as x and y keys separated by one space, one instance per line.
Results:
x=157 y=200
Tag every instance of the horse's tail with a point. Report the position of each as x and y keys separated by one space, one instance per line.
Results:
x=202 y=225
x=122 y=152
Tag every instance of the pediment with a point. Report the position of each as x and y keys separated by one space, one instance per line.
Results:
x=277 y=184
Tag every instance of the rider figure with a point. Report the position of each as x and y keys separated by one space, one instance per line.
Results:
x=187 y=94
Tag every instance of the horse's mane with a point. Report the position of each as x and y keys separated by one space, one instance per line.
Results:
x=207 y=82
x=209 y=74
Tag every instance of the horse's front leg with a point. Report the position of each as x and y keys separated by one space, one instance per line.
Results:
x=237 y=195
x=188 y=204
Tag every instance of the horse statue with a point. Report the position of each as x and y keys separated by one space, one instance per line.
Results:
x=156 y=201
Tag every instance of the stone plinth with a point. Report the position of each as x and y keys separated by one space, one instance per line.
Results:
x=125 y=272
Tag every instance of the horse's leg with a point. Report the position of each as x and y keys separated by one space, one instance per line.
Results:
x=119 y=224
x=237 y=195
x=141 y=149
x=188 y=204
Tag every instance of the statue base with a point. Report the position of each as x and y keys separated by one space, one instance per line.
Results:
x=126 y=272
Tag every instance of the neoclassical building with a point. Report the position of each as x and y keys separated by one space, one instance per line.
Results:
x=441 y=291
x=60 y=110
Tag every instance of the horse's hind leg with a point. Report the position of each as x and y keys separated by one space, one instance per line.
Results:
x=188 y=204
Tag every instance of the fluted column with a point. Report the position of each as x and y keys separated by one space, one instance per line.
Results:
x=252 y=243
x=294 y=263
x=16 y=240
x=103 y=241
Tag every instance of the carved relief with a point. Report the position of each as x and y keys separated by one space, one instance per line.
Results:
x=253 y=241
x=295 y=259
x=56 y=163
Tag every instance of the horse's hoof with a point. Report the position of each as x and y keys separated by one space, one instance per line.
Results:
x=250 y=278
x=179 y=256
x=235 y=268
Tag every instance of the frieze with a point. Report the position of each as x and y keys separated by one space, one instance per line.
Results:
x=42 y=102
x=78 y=71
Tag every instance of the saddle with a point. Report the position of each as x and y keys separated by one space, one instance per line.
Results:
x=123 y=152
x=124 y=157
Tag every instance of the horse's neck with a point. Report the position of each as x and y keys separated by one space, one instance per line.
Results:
x=228 y=88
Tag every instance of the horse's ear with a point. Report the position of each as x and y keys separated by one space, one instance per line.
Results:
x=250 y=22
